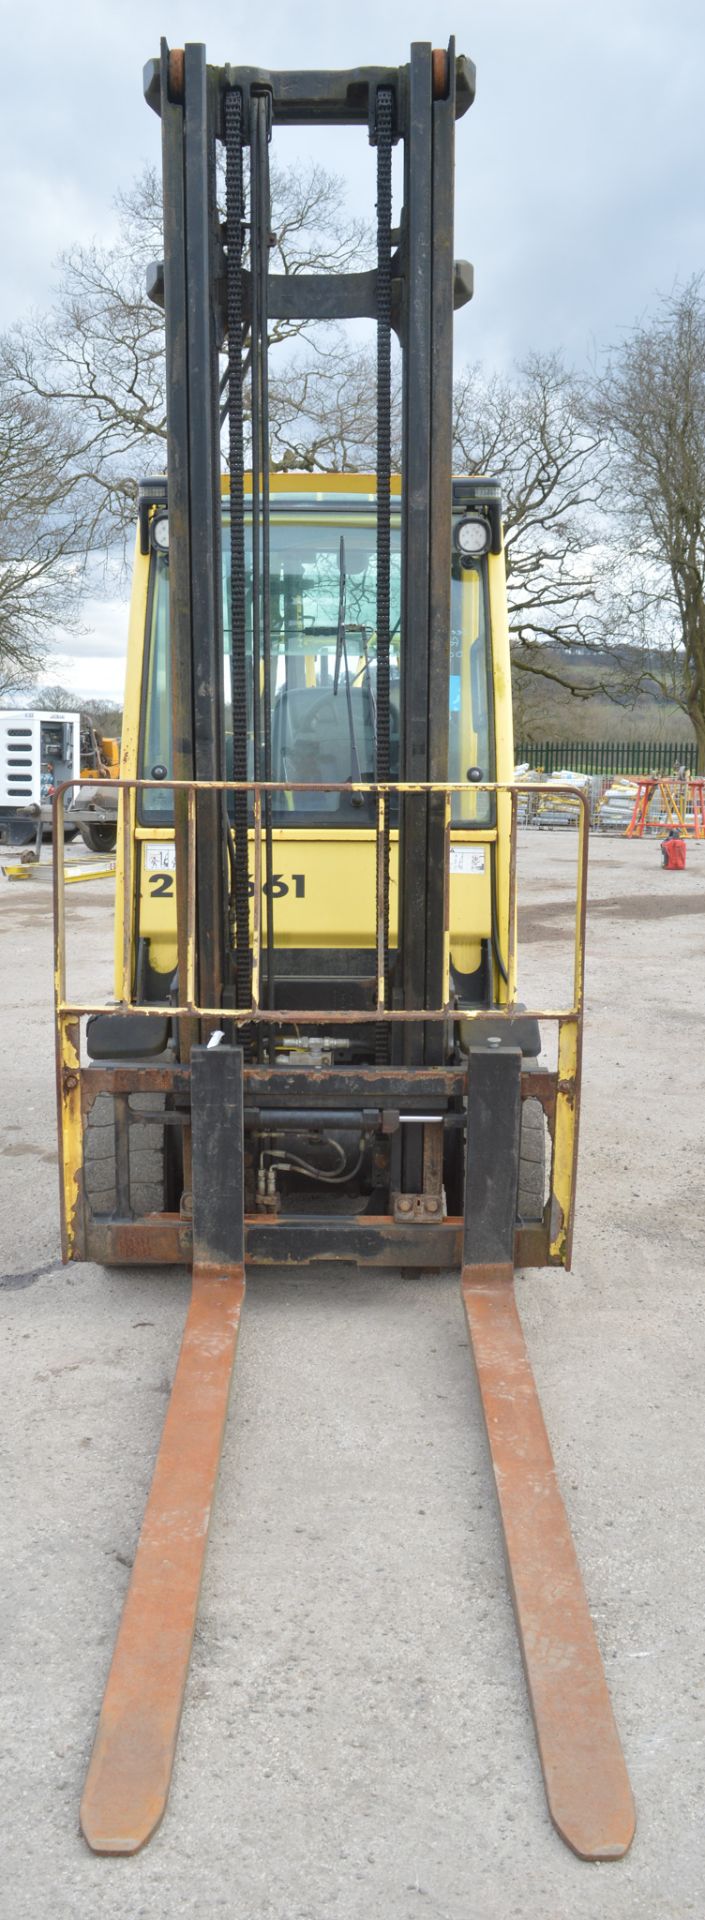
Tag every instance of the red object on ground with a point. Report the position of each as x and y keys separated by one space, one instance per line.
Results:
x=673 y=853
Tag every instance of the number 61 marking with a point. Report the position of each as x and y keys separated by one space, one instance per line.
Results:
x=278 y=886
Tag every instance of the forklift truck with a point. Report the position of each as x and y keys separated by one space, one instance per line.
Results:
x=316 y=1050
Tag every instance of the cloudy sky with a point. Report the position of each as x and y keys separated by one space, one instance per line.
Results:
x=580 y=169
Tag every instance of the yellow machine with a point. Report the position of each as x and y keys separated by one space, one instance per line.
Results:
x=100 y=755
x=95 y=806
x=324 y=874
x=316 y=1051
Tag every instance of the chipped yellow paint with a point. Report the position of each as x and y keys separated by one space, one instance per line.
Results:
x=446 y=901
x=570 y=1040
x=565 y=1140
x=136 y=642
x=70 y=1130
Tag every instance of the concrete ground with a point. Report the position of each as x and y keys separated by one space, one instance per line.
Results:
x=356 y=1742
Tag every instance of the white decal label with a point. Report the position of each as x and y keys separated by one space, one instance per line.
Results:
x=467 y=860
x=160 y=856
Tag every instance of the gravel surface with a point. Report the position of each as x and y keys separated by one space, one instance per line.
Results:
x=356 y=1742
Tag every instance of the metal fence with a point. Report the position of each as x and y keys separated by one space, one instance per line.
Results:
x=608 y=756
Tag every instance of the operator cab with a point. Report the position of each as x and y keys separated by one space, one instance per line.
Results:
x=323 y=597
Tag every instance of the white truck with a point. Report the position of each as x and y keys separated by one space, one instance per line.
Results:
x=39 y=750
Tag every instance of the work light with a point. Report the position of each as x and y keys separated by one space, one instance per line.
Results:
x=160 y=532
x=472 y=537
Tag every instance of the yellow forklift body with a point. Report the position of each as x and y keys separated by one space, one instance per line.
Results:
x=322 y=1056
x=324 y=879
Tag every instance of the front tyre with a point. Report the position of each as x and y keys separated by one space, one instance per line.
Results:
x=147 y=1157
x=531 y=1191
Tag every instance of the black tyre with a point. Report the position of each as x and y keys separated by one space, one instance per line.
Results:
x=100 y=839
x=531 y=1192
x=147 y=1184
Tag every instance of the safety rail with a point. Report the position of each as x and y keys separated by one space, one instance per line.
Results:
x=189 y=1007
x=557 y=1091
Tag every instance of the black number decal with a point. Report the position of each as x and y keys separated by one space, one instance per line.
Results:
x=162 y=886
x=280 y=886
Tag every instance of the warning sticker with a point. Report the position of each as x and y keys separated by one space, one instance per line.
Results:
x=160 y=856
x=467 y=859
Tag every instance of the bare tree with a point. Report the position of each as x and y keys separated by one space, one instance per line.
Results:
x=323 y=414
x=55 y=699
x=649 y=406
x=40 y=533
x=104 y=715
x=98 y=354
x=97 y=360
x=530 y=431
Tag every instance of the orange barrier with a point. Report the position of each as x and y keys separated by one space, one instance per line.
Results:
x=668 y=803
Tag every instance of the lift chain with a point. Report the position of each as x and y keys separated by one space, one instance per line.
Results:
x=235 y=212
x=383 y=131
x=260 y=224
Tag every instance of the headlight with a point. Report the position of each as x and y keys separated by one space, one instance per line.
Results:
x=472 y=536
x=159 y=532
